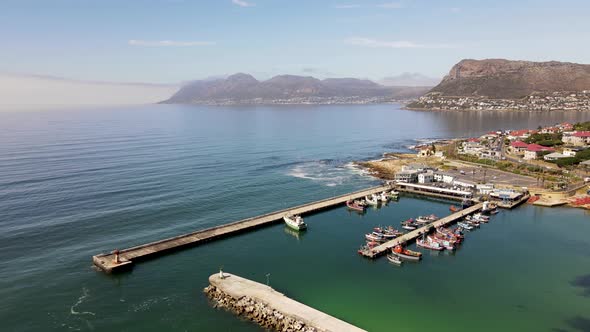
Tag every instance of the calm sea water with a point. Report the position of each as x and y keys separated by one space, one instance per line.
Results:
x=74 y=183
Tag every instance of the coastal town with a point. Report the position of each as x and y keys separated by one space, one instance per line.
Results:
x=552 y=164
x=556 y=101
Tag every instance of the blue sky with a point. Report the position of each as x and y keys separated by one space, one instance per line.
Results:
x=165 y=41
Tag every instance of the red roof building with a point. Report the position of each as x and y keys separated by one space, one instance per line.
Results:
x=583 y=134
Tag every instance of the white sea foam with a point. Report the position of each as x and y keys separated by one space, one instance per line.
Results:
x=326 y=173
x=80 y=301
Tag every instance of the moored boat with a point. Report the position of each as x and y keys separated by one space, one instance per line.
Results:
x=428 y=245
x=374 y=236
x=295 y=222
x=426 y=219
x=406 y=254
x=355 y=205
x=464 y=226
x=453 y=208
x=394 y=259
x=409 y=224
x=394 y=195
x=372 y=200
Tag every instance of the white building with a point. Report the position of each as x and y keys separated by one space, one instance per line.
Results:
x=443 y=177
x=426 y=177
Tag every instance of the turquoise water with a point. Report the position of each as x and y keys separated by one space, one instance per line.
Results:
x=73 y=184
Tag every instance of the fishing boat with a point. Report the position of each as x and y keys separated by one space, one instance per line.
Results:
x=448 y=235
x=374 y=236
x=454 y=208
x=295 y=222
x=409 y=224
x=394 y=259
x=372 y=200
x=481 y=217
x=465 y=226
x=355 y=205
x=426 y=219
x=394 y=195
x=406 y=254
x=427 y=245
x=449 y=244
x=384 y=197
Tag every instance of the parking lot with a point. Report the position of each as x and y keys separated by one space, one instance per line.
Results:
x=479 y=174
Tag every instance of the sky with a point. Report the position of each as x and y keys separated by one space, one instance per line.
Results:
x=171 y=41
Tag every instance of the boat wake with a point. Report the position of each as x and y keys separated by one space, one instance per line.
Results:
x=327 y=172
x=80 y=301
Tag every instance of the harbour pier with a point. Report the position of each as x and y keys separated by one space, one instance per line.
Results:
x=119 y=260
x=402 y=240
x=270 y=308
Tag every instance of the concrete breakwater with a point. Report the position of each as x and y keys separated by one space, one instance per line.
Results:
x=268 y=308
x=119 y=260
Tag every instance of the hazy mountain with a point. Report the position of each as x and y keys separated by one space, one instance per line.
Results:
x=244 y=88
x=20 y=91
x=409 y=79
x=505 y=79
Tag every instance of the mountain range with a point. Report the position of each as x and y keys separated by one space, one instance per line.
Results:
x=245 y=89
x=505 y=79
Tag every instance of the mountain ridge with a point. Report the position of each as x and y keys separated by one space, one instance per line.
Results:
x=241 y=88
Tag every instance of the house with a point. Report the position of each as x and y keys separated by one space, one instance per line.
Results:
x=425 y=152
x=520 y=134
x=577 y=138
x=571 y=151
x=408 y=176
x=549 y=130
x=472 y=147
x=490 y=154
x=518 y=147
x=464 y=184
x=439 y=154
x=566 y=126
x=426 y=177
x=443 y=177
x=533 y=151
x=554 y=156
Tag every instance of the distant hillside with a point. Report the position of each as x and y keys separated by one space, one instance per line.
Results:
x=505 y=79
x=245 y=89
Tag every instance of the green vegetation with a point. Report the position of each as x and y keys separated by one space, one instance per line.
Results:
x=580 y=156
x=545 y=139
x=585 y=126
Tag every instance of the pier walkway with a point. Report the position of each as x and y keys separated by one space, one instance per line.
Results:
x=385 y=247
x=238 y=287
x=113 y=262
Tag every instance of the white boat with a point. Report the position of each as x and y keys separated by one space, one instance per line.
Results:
x=481 y=217
x=372 y=200
x=394 y=194
x=384 y=197
x=465 y=226
x=295 y=222
x=394 y=259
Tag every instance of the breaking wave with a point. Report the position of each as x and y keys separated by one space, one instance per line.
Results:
x=327 y=172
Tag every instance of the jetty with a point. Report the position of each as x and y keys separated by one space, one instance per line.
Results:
x=268 y=307
x=119 y=260
x=402 y=240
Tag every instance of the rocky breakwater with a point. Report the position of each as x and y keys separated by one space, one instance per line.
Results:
x=268 y=308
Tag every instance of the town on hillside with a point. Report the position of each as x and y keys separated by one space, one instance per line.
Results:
x=552 y=164
x=556 y=101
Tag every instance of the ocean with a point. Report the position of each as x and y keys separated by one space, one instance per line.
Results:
x=77 y=182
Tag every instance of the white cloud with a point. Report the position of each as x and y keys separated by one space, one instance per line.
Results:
x=243 y=3
x=347 y=6
x=391 y=5
x=163 y=43
x=375 y=43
